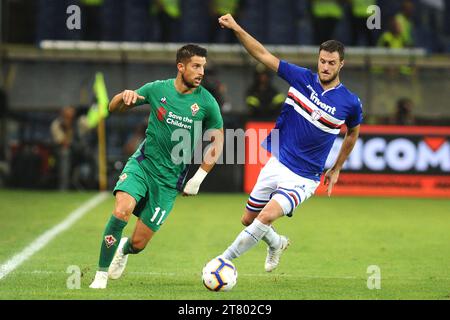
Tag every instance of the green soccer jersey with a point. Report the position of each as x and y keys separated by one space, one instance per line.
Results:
x=175 y=124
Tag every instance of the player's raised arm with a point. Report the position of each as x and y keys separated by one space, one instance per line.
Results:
x=211 y=156
x=124 y=101
x=332 y=174
x=253 y=46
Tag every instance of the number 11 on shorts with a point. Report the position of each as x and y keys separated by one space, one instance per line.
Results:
x=157 y=210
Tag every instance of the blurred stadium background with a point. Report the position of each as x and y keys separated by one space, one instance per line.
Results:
x=46 y=67
x=48 y=72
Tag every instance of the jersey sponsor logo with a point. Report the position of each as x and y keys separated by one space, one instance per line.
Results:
x=110 y=240
x=306 y=108
x=161 y=113
x=122 y=177
x=315 y=98
x=194 y=109
x=179 y=121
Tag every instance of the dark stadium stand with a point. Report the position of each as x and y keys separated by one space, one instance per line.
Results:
x=131 y=21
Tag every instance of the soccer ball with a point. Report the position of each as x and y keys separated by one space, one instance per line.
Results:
x=219 y=274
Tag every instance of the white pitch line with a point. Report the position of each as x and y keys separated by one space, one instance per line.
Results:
x=49 y=235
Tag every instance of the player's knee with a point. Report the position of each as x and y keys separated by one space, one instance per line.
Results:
x=267 y=217
x=271 y=212
x=124 y=206
x=121 y=213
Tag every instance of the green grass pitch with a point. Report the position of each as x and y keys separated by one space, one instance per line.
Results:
x=334 y=241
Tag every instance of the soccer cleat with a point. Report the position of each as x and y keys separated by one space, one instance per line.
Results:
x=100 y=280
x=273 y=255
x=119 y=261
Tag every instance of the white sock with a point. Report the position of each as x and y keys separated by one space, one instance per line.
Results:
x=248 y=238
x=272 y=239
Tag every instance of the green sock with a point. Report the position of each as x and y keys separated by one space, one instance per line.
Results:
x=129 y=249
x=111 y=239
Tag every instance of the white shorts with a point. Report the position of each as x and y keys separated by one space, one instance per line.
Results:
x=276 y=181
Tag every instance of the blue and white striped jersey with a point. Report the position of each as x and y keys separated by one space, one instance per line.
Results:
x=310 y=120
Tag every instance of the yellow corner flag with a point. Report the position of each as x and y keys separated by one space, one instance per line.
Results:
x=95 y=118
x=98 y=110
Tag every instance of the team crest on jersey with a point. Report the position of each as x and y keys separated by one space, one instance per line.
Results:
x=161 y=113
x=109 y=241
x=163 y=100
x=316 y=115
x=194 y=109
x=122 y=177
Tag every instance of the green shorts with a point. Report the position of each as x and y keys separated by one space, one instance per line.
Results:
x=154 y=200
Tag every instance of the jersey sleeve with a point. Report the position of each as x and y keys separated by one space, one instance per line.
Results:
x=293 y=73
x=145 y=91
x=213 y=119
x=356 y=117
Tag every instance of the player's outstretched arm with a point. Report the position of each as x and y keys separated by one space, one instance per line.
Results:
x=124 y=100
x=211 y=156
x=253 y=46
x=332 y=174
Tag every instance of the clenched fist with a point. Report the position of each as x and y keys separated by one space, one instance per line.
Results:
x=227 y=21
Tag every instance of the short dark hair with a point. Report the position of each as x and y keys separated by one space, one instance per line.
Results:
x=188 y=51
x=332 y=46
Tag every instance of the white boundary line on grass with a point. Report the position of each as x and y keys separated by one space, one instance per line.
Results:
x=49 y=235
